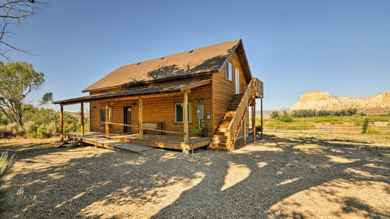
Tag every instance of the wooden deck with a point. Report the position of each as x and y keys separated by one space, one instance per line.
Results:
x=122 y=141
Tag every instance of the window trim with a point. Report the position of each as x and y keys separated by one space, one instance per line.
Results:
x=229 y=71
x=189 y=112
x=237 y=81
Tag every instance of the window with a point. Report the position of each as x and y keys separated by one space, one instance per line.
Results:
x=229 y=71
x=179 y=112
x=237 y=81
x=200 y=114
x=102 y=115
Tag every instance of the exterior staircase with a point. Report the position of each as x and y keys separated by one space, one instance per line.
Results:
x=228 y=130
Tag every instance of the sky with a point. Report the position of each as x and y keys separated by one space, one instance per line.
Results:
x=342 y=47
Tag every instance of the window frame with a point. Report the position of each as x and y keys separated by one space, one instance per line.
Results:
x=189 y=112
x=229 y=71
x=201 y=119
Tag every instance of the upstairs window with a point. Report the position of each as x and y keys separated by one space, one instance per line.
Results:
x=229 y=71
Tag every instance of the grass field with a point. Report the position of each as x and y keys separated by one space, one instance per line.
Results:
x=344 y=127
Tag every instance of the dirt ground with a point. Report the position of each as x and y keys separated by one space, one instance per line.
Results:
x=278 y=177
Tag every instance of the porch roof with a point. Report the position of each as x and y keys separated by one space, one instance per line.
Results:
x=137 y=91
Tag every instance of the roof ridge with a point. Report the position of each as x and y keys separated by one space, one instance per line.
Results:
x=183 y=51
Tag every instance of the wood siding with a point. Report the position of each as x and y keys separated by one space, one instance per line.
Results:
x=157 y=109
x=223 y=90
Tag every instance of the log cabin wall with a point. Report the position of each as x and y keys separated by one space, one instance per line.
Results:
x=156 y=109
x=223 y=90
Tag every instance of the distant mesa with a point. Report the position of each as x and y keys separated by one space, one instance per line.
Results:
x=318 y=100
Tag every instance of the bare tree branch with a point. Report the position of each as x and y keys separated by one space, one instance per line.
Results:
x=13 y=12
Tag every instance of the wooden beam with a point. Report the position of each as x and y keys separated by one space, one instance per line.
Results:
x=196 y=84
x=254 y=120
x=62 y=121
x=82 y=118
x=140 y=118
x=106 y=124
x=245 y=126
x=185 y=146
x=261 y=112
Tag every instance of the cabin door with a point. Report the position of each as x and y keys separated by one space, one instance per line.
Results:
x=237 y=81
x=127 y=119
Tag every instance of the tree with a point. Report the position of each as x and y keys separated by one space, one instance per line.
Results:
x=47 y=98
x=275 y=115
x=17 y=80
x=11 y=12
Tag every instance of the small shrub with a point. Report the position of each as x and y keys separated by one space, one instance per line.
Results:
x=30 y=129
x=274 y=115
x=13 y=127
x=51 y=129
x=285 y=117
x=5 y=162
x=365 y=126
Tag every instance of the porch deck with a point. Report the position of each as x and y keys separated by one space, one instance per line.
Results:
x=119 y=140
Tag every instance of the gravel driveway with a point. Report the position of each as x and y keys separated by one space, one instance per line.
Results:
x=274 y=178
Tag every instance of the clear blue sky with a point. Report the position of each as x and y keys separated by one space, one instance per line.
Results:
x=293 y=46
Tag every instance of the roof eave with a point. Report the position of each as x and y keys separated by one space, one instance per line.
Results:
x=137 y=83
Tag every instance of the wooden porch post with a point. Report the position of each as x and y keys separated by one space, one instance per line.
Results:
x=254 y=120
x=82 y=118
x=62 y=121
x=185 y=146
x=245 y=126
x=106 y=125
x=140 y=118
x=261 y=112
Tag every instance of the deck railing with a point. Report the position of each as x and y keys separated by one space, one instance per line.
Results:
x=144 y=128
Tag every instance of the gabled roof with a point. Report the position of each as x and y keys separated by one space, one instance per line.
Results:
x=189 y=63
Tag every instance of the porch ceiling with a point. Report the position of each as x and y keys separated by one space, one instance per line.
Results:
x=137 y=91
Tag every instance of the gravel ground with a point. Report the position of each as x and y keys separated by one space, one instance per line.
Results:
x=274 y=178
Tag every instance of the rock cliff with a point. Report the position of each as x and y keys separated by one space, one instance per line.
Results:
x=318 y=100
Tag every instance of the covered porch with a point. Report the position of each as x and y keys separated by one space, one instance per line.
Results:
x=143 y=131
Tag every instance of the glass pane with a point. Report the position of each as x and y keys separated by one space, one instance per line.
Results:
x=200 y=111
x=179 y=113
x=102 y=115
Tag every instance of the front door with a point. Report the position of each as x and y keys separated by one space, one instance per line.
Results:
x=237 y=81
x=127 y=119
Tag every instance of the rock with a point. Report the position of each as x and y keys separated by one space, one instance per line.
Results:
x=318 y=100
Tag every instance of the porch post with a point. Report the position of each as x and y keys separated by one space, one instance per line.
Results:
x=62 y=121
x=261 y=112
x=254 y=120
x=106 y=125
x=245 y=126
x=82 y=117
x=185 y=146
x=140 y=118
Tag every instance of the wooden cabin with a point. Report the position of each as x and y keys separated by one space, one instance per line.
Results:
x=191 y=99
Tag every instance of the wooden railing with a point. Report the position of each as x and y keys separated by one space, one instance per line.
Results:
x=145 y=128
x=253 y=90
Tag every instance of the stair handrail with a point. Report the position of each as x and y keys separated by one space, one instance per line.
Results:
x=252 y=90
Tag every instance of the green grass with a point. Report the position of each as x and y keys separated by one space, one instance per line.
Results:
x=346 y=126
x=311 y=122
